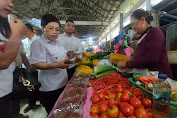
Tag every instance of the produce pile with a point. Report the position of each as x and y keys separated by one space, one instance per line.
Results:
x=91 y=59
x=114 y=97
x=73 y=99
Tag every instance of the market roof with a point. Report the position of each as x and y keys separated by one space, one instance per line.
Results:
x=95 y=13
x=168 y=11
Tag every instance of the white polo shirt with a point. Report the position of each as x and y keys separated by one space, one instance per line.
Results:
x=43 y=50
x=71 y=43
x=6 y=75
x=18 y=59
x=27 y=43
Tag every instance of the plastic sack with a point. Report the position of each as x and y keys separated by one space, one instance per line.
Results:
x=69 y=108
x=73 y=57
x=73 y=91
x=66 y=114
x=173 y=84
x=82 y=80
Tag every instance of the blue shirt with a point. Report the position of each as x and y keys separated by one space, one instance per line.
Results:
x=43 y=50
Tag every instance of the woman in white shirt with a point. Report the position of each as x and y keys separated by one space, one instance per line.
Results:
x=10 y=40
x=48 y=56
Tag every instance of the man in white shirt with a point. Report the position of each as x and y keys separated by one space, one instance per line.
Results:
x=31 y=36
x=70 y=43
x=21 y=58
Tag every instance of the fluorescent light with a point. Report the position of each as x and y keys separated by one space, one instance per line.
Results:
x=90 y=38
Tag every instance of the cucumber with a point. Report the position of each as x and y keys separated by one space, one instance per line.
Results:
x=105 y=73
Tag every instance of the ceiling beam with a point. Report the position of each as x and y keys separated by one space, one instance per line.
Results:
x=89 y=23
x=89 y=7
x=109 y=2
x=168 y=4
x=58 y=4
x=81 y=16
x=92 y=23
x=84 y=13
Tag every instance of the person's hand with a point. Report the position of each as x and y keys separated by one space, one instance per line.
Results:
x=62 y=65
x=28 y=69
x=18 y=28
x=121 y=65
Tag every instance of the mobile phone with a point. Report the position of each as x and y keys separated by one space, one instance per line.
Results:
x=11 y=15
x=8 y=17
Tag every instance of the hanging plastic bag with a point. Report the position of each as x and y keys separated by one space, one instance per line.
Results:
x=127 y=51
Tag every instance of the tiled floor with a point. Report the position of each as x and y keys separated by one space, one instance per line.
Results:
x=37 y=112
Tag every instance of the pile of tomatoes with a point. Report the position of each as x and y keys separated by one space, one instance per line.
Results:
x=118 y=100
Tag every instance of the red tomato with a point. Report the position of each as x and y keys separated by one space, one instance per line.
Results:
x=141 y=113
x=105 y=101
x=122 y=105
x=95 y=99
x=147 y=103
x=111 y=95
x=127 y=109
x=102 y=96
x=120 y=115
x=113 y=101
x=125 y=97
x=104 y=115
x=119 y=90
x=132 y=117
x=103 y=107
x=135 y=102
x=95 y=116
x=142 y=107
x=94 y=110
x=150 y=113
x=113 y=111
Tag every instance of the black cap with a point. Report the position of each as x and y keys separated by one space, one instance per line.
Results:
x=29 y=26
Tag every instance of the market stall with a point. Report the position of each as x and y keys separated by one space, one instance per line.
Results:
x=99 y=90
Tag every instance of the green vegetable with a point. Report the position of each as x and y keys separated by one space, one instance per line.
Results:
x=101 y=69
x=105 y=73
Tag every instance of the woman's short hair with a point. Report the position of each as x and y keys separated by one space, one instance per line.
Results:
x=47 y=18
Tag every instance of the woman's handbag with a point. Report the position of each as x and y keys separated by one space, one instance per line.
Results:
x=23 y=83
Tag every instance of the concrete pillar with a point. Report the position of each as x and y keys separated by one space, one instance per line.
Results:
x=121 y=22
x=148 y=5
x=106 y=43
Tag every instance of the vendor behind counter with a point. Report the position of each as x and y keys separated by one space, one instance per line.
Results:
x=151 y=50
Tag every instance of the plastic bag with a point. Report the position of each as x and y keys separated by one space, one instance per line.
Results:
x=81 y=80
x=66 y=114
x=73 y=57
x=69 y=108
x=74 y=91
x=71 y=103
x=173 y=84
